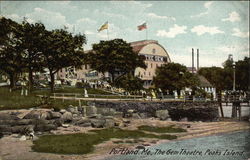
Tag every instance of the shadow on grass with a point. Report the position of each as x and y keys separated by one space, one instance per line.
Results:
x=83 y=143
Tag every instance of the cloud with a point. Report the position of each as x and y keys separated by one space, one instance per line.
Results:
x=207 y=6
x=238 y=50
x=153 y=15
x=201 y=29
x=51 y=19
x=238 y=33
x=233 y=17
x=174 y=31
x=86 y=20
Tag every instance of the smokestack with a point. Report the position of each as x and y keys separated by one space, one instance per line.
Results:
x=198 y=60
x=192 y=60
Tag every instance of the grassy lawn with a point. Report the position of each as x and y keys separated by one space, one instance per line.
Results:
x=168 y=129
x=83 y=143
x=14 y=100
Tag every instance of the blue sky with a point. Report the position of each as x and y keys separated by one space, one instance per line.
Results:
x=217 y=28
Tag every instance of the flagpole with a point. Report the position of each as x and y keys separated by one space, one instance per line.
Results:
x=108 y=33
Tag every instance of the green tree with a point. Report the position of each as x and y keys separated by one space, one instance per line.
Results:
x=242 y=74
x=61 y=49
x=114 y=56
x=174 y=76
x=31 y=41
x=129 y=82
x=10 y=49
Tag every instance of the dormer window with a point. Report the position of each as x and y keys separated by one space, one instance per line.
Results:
x=153 y=50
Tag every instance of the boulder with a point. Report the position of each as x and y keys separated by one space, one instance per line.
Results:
x=67 y=117
x=62 y=111
x=55 y=115
x=136 y=116
x=91 y=110
x=109 y=123
x=143 y=115
x=185 y=119
x=81 y=122
x=37 y=114
x=44 y=127
x=5 y=128
x=118 y=114
x=162 y=114
x=97 y=123
x=106 y=111
x=72 y=109
x=8 y=116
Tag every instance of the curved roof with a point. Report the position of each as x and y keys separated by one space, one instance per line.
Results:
x=139 y=46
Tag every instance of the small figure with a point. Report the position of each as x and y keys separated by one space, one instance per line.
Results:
x=85 y=93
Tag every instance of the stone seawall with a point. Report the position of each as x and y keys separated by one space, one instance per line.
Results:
x=193 y=111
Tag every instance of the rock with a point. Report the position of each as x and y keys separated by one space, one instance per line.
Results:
x=169 y=119
x=185 y=119
x=44 y=127
x=67 y=117
x=143 y=115
x=109 y=123
x=65 y=125
x=5 y=128
x=97 y=123
x=55 y=115
x=8 y=116
x=136 y=116
x=72 y=109
x=140 y=147
x=58 y=122
x=130 y=111
x=106 y=111
x=91 y=110
x=85 y=125
x=23 y=138
x=37 y=114
x=162 y=114
x=118 y=114
x=62 y=111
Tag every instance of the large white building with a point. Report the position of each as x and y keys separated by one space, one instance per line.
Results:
x=155 y=56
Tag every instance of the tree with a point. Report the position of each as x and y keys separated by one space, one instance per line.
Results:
x=242 y=74
x=174 y=76
x=114 y=56
x=215 y=75
x=61 y=49
x=129 y=82
x=10 y=49
x=31 y=41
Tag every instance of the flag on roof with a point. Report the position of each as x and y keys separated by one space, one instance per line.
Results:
x=104 y=26
x=142 y=27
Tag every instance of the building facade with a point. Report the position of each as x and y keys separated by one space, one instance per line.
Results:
x=155 y=56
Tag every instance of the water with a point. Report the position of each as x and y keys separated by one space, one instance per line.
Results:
x=210 y=148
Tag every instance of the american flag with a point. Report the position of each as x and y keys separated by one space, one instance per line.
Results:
x=142 y=27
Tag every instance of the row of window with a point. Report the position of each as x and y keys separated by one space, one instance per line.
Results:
x=151 y=65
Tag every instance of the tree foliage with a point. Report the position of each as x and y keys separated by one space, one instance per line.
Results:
x=174 y=76
x=114 y=56
x=61 y=49
x=129 y=82
x=10 y=49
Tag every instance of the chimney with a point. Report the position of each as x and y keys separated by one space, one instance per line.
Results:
x=192 y=60
x=198 y=60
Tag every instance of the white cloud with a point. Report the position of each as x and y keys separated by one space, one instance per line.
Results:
x=201 y=29
x=238 y=33
x=153 y=15
x=207 y=6
x=86 y=20
x=174 y=31
x=51 y=19
x=233 y=17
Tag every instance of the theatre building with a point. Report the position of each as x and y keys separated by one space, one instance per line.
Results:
x=155 y=56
